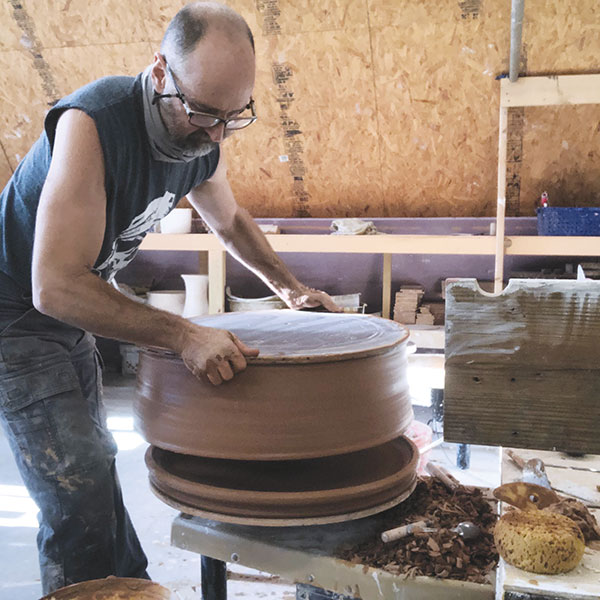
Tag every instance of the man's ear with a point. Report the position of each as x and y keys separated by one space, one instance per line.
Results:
x=159 y=73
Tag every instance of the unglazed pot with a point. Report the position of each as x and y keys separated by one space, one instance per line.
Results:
x=324 y=384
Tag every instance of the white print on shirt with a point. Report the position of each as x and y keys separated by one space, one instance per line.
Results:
x=126 y=244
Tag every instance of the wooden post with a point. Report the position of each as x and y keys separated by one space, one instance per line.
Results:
x=501 y=205
x=216 y=281
x=386 y=293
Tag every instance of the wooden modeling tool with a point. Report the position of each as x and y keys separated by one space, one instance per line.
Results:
x=443 y=475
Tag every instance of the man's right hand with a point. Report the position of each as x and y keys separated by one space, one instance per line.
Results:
x=215 y=354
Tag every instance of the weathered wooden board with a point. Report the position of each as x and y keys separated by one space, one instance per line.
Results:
x=523 y=367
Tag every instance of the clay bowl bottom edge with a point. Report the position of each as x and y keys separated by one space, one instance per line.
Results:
x=289 y=489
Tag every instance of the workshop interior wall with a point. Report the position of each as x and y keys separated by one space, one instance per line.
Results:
x=366 y=108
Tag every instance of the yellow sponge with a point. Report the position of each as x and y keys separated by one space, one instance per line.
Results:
x=539 y=541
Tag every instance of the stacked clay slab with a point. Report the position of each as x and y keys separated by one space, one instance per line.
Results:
x=310 y=431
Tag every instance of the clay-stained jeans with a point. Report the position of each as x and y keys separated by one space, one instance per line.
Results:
x=51 y=409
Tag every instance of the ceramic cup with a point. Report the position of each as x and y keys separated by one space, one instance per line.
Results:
x=170 y=300
x=179 y=220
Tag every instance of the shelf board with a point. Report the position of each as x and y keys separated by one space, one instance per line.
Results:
x=552 y=90
x=391 y=244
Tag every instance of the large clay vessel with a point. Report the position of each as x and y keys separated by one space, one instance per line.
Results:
x=324 y=384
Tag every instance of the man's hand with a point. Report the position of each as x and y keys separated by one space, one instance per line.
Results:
x=215 y=354
x=244 y=240
x=309 y=298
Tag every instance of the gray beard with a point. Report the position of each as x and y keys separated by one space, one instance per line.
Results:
x=164 y=145
x=190 y=147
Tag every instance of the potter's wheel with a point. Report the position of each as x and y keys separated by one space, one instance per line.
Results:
x=324 y=384
x=298 y=492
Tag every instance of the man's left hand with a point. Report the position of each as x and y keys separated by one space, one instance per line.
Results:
x=307 y=297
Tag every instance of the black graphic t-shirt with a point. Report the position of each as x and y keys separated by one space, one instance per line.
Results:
x=139 y=189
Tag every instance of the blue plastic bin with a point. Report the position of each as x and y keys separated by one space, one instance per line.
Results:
x=567 y=220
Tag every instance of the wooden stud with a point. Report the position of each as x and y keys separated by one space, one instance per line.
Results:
x=216 y=281
x=501 y=204
x=386 y=286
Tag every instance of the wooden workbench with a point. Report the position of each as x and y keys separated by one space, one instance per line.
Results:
x=305 y=555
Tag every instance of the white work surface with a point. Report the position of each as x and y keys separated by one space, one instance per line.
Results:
x=305 y=555
x=579 y=477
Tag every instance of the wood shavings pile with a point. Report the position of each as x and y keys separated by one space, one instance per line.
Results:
x=440 y=554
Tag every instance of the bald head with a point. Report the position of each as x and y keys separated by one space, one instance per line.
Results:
x=206 y=64
x=194 y=21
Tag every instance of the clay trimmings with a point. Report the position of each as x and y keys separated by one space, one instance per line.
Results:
x=539 y=541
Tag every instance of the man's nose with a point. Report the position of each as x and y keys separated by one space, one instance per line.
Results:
x=216 y=132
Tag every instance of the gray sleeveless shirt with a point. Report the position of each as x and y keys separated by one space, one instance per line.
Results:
x=140 y=190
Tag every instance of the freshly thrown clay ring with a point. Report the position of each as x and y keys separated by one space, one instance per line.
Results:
x=323 y=384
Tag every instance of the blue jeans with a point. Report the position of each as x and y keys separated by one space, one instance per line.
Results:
x=51 y=408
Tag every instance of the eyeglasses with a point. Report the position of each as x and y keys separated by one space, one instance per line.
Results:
x=206 y=120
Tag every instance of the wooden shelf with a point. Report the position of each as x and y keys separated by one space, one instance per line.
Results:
x=386 y=245
x=556 y=90
x=391 y=244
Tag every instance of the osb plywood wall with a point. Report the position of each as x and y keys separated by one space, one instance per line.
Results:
x=367 y=107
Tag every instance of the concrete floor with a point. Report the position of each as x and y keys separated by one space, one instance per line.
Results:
x=176 y=569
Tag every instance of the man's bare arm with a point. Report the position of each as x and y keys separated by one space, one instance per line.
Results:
x=244 y=240
x=69 y=231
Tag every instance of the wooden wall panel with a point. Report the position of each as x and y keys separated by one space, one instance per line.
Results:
x=248 y=9
x=306 y=16
x=312 y=156
x=5 y=168
x=561 y=160
x=562 y=36
x=10 y=33
x=23 y=104
x=71 y=66
x=366 y=107
x=437 y=124
x=157 y=16
x=61 y=23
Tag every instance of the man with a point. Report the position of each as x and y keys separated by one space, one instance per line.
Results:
x=115 y=157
